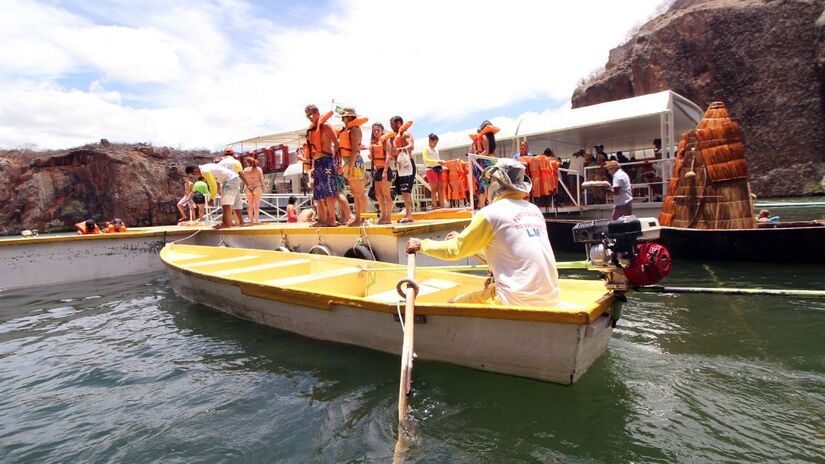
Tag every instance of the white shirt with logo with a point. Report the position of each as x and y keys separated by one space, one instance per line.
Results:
x=520 y=255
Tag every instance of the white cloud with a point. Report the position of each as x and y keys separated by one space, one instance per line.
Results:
x=213 y=72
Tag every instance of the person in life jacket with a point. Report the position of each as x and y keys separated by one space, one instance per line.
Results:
x=349 y=144
x=484 y=144
x=322 y=144
x=116 y=226
x=87 y=227
x=402 y=147
x=435 y=171
x=513 y=234
x=382 y=172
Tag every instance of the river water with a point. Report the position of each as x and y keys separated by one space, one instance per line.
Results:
x=125 y=371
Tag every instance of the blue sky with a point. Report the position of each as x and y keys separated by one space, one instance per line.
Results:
x=205 y=73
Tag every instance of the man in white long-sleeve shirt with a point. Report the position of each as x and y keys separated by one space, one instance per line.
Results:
x=512 y=233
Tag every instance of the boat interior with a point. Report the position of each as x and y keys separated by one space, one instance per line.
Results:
x=370 y=282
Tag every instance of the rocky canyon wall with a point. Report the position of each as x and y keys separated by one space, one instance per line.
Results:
x=764 y=58
x=51 y=191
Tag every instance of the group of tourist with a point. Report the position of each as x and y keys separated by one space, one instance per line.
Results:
x=90 y=227
x=334 y=160
x=226 y=178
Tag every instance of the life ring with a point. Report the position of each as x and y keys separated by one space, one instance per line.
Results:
x=320 y=250
x=360 y=252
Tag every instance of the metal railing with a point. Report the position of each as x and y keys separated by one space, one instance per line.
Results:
x=649 y=185
x=273 y=207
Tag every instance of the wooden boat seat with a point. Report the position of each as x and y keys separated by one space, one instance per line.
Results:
x=262 y=267
x=431 y=290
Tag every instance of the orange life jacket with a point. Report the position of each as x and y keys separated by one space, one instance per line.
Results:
x=399 y=138
x=314 y=138
x=456 y=173
x=344 y=141
x=112 y=228
x=544 y=173
x=477 y=138
x=378 y=157
x=81 y=227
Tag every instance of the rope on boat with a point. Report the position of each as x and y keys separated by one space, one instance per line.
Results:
x=398 y=310
x=731 y=291
x=186 y=238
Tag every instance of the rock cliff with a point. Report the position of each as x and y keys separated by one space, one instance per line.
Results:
x=764 y=58
x=51 y=191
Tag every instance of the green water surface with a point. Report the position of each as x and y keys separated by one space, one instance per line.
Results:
x=125 y=371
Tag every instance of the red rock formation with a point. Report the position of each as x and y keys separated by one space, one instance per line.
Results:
x=764 y=58
x=49 y=191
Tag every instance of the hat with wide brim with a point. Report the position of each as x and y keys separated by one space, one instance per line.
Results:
x=509 y=175
x=348 y=111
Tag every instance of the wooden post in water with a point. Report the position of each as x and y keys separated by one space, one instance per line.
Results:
x=407 y=349
x=406 y=359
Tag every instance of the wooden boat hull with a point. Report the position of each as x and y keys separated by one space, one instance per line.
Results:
x=785 y=243
x=552 y=351
x=792 y=244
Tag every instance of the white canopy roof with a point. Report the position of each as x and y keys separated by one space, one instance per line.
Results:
x=628 y=125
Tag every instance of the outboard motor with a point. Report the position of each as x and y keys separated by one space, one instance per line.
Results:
x=624 y=251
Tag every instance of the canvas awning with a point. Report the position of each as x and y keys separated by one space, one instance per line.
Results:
x=628 y=125
x=294 y=169
x=292 y=139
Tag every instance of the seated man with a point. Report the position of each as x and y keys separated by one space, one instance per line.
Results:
x=87 y=227
x=116 y=226
x=513 y=235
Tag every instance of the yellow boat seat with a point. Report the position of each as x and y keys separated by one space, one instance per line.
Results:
x=261 y=267
x=223 y=260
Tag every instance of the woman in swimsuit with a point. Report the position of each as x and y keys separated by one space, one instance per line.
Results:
x=383 y=174
x=254 y=178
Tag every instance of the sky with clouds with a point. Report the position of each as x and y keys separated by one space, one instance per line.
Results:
x=204 y=73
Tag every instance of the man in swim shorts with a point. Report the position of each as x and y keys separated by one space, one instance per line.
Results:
x=322 y=144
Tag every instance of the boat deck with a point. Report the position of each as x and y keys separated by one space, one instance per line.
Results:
x=321 y=282
x=420 y=226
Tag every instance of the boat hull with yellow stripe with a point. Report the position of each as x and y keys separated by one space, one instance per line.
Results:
x=356 y=302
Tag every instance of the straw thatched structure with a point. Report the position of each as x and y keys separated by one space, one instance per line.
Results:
x=709 y=187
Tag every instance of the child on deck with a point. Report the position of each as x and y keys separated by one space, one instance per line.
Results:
x=186 y=200
x=291 y=210
x=200 y=190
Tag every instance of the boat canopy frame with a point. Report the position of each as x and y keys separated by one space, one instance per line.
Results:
x=629 y=125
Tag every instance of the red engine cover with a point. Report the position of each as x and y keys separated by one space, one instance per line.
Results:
x=650 y=266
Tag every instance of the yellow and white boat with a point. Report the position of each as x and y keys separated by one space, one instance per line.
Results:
x=355 y=301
